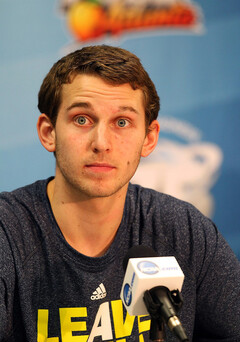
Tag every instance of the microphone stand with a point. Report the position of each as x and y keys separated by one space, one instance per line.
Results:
x=162 y=305
x=157 y=330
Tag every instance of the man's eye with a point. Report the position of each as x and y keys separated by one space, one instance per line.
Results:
x=81 y=120
x=122 y=122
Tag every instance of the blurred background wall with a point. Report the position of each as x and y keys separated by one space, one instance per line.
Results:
x=191 y=51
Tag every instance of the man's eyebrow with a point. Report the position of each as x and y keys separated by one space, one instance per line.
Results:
x=86 y=105
x=128 y=109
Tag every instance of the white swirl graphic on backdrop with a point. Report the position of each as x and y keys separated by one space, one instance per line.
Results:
x=187 y=171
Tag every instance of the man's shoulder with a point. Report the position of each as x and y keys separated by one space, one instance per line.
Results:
x=170 y=218
x=174 y=227
x=17 y=204
x=148 y=196
x=23 y=193
x=22 y=215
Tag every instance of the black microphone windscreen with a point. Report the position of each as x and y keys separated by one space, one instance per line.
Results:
x=138 y=251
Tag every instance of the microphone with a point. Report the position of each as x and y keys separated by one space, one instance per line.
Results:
x=152 y=286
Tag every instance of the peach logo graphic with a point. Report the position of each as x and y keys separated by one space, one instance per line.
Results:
x=99 y=19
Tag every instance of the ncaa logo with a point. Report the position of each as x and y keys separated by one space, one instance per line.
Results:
x=148 y=267
x=127 y=294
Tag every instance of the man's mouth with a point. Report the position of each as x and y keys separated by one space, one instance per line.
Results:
x=100 y=167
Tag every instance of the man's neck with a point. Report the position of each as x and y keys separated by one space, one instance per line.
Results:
x=88 y=225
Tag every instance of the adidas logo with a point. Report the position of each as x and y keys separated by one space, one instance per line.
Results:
x=99 y=293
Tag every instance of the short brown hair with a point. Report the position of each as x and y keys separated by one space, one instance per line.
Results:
x=114 y=65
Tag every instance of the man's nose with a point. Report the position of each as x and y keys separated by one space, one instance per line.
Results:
x=101 y=138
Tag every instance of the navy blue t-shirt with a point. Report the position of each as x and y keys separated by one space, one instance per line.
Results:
x=50 y=292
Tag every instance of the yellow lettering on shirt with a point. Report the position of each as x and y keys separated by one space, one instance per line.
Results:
x=143 y=325
x=74 y=329
x=68 y=326
x=42 y=328
x=122 y=328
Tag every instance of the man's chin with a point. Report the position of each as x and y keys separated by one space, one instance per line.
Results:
x=103 y=191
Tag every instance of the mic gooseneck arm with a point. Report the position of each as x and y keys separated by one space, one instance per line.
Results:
x=162 y=305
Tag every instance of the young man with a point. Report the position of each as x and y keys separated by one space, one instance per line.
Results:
x=63 y=239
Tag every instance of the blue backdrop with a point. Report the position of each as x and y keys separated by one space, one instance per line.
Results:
x=197 y=76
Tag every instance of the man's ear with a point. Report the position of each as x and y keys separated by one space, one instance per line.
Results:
x=46 y=132
x=151 y=138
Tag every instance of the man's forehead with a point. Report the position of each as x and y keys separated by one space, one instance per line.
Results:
x=82 y=84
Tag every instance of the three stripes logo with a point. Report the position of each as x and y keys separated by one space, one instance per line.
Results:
x=99 y=293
